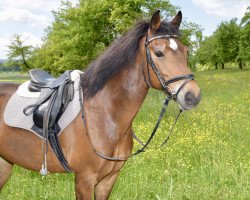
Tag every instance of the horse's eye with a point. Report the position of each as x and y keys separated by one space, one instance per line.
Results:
x=159 y=54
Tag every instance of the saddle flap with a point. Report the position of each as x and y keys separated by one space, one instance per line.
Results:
x=52 y=107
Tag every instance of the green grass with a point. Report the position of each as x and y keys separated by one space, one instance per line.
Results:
x=207 y=156
x=13 y=77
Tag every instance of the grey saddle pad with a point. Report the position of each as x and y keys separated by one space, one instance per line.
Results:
x=14 y=117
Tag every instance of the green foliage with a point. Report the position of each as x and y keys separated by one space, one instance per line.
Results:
x=80 y=33
x=246 y=18
x=244 y=45
x=207 y=53
x=228 y=44
x=228 y=34
x=191 y=35
x=207 y=156
x=19 y=54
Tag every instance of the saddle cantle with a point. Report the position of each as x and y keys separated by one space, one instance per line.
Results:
x=56 y=93
x=39 y=79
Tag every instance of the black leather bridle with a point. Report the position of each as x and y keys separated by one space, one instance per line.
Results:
x=170 y=95
x=165 y=84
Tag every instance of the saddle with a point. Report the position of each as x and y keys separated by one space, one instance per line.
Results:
x=56 y=93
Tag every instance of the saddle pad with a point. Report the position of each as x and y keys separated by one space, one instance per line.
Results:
x=14 y=116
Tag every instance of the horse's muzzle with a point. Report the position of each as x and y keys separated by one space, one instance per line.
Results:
x=189 y=95
x=189 y=100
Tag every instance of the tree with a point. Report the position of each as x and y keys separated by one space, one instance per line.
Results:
x=228 y=34
x=191 y=36
x=19 y=54
x=207 y=52
x=222 y=47
x=80 y=33
x=244 y=44
x=228 y=44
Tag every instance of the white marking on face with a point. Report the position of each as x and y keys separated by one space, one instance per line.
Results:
x=173 y=44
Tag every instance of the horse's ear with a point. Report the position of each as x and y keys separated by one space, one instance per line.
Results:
x=176 y=21
x=155 y=21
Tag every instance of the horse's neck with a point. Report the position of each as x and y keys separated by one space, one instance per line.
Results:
x=110 y=113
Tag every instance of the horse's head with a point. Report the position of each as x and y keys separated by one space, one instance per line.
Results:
x=167 y=62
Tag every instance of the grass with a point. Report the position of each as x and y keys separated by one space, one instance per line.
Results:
x=12 y=77
x=207 y=156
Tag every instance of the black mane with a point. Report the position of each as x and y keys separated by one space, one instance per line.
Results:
x=121 y=54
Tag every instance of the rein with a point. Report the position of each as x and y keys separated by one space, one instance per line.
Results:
x=170 y=95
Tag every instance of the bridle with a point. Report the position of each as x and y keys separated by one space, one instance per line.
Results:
x=165 y=84
x=170 y=95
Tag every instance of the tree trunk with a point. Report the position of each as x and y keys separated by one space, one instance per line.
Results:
x=222 y=66
x=240 y=64
x=25 y=62
x=216 y=65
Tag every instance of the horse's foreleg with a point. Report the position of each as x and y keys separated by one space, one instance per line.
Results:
x=104 y=187
x=5 y=171
x=84 y=188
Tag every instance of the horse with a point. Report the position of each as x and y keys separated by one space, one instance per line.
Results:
x=113 y=87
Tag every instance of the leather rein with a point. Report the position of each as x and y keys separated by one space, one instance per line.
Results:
x=170 y=95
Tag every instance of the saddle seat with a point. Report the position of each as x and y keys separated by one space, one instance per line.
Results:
x=39 y=79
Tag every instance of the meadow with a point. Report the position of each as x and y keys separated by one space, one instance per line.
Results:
x=207 y=157
x=12 y=77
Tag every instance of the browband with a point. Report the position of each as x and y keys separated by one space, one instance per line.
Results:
x=159 y=37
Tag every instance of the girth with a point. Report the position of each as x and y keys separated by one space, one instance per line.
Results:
x=52 y=102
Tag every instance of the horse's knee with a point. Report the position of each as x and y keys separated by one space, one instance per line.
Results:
x=104 y=187
x=84 y=187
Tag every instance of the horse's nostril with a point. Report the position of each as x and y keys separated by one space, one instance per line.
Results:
x=189 y=98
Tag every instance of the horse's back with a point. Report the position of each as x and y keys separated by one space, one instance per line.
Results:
x=7 y=88
x=6 y=91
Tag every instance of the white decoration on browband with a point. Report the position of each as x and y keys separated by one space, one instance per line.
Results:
x=173 y=44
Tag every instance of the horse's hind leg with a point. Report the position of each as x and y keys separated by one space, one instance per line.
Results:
x=5 y=172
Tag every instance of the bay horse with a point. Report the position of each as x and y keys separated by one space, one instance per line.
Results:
x=114 y=87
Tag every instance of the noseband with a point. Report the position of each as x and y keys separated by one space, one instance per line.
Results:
x=164 y=83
